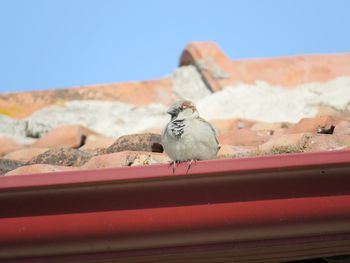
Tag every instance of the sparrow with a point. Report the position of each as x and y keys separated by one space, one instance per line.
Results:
x=188 y=137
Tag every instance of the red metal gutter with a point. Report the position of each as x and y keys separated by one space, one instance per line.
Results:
x=253 y=210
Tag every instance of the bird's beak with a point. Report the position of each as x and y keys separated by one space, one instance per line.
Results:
x=170 y=111
x=173 y=112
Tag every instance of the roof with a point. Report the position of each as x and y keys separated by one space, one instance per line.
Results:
x=279 y=181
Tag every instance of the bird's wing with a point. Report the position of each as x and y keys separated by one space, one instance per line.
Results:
x=212 y=128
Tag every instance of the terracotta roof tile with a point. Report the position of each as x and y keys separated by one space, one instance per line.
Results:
x=292 y=71
x=23 y=104
x=65 y=136
x=95 y=141
x=242 y=137
x=211 y=62
x=125 y=158
x=39 y=168
x=322 y=124
x=8 y=145
x=231 y=151
x=25 y=154
x=219 y=70
x=269 y=126
x=342 y=128
x=287 y=143
x=8 y=165
x=62 y=157
x=327 y=142
x=148 y=142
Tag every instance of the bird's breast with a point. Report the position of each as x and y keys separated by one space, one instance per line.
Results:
x=176 y=128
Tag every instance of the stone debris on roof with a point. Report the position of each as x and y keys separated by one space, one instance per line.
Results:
x=266 y=103
x=258 y=107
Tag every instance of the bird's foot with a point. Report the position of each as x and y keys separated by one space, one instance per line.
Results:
x=189 y=164
x=173 y=165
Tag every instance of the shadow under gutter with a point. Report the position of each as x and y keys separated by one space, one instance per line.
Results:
x=272 y=208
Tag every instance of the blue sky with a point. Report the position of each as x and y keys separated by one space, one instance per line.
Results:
x=61 y=43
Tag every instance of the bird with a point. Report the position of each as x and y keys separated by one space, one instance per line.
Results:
x=187 y=136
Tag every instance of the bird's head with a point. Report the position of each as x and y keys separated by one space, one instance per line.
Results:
x=182 y=109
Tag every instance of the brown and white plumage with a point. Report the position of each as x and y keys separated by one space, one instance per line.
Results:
x=187 y=136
